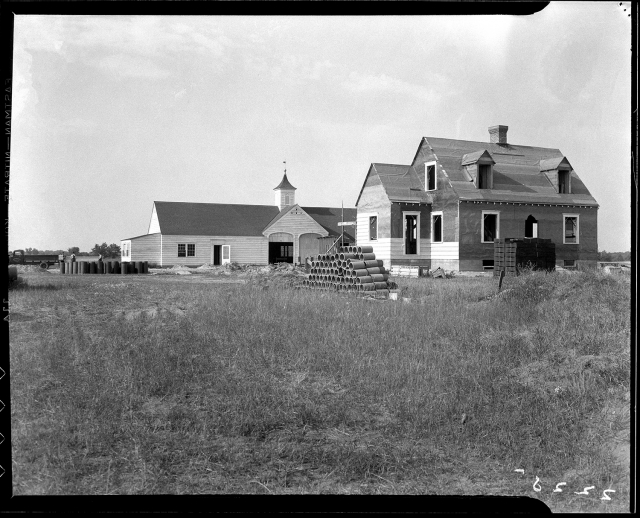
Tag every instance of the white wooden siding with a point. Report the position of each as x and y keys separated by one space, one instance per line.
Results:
x=445 y=255
x=144 y=248
x=244 y=249
x=154 y=224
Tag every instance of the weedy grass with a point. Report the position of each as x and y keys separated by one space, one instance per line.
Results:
x=179 y=387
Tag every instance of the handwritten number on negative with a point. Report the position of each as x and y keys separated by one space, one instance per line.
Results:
x=606 y=496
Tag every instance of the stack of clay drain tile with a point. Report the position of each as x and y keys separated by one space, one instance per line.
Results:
x=351 y=269
x=84 y=267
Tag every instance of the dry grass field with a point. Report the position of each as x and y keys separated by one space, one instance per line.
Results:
x=211 y=384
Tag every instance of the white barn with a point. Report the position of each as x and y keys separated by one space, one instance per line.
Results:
x=193 y=234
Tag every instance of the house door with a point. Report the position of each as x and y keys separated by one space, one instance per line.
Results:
x=226 y=254
x=411 y=234
x=216 y=253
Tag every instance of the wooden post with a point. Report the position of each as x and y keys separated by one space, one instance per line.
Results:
x=500 y=283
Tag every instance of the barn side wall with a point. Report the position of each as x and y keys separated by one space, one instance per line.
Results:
x=244 y=249
x=144 y=248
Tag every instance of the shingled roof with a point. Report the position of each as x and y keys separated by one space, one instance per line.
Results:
x=329 y=217
x=225 y=219
x=516 y=174
x=213 y=219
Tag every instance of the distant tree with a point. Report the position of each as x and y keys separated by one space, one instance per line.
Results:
x=100 y=249
x=31 y=251
x=111 y=250
x=73 y=250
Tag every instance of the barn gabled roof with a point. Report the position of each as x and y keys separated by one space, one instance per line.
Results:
x=226 y=219
x=329 y=217
x=213 y=219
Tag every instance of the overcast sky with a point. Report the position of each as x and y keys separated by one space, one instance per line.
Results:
x=111 y=113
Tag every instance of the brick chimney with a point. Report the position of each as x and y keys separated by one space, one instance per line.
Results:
x=498 y=134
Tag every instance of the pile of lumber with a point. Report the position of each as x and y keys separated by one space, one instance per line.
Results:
x=398 y=270
x=509 y=254
x=350 y=269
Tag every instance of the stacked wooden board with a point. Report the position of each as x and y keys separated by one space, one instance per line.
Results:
x=510 y=254
x=350 y=269
x=398 y=270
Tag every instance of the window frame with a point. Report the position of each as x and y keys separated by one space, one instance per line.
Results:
x=564 y=228
x=189 y=254
x=566 y=174
x=497 y=214
x=488 y=167
x=435 y=175
x=184 y=251
x=369 y=227
x=406 y=213
x=433 y=215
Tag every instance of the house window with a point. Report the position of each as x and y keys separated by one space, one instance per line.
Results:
x=569 y=263
x=571 y=229
x=487 y=264
x=436 y=227
x=373 y=228
x=564 y=182
x=531 y=227
x=430 y=176
x=186 y=250
x=484 y=176
x=490 y=224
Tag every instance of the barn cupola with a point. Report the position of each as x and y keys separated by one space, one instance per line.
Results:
x=285 y=193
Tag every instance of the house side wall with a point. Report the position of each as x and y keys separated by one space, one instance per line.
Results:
x=512 y=225
x=144 y=248
x=374 y=200
x=244 y=249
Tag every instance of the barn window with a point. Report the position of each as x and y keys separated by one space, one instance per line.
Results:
x=569 y=263
x=436 y=227
x=191 y=250
x=490 y=224
x=430 y=176
x=571 y=229
x=182 y=250
x=373 y=228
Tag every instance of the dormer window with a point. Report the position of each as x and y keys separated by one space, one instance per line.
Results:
x=484 y=176
x=430 y=176
x=558 y=172
x=479 y=166
x=564 y=182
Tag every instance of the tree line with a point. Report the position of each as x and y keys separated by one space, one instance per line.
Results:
x=106 y=250
x=614 y=256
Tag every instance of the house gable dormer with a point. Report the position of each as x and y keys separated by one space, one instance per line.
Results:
x=431 y=176
x=479 y=166
x=558 y=172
